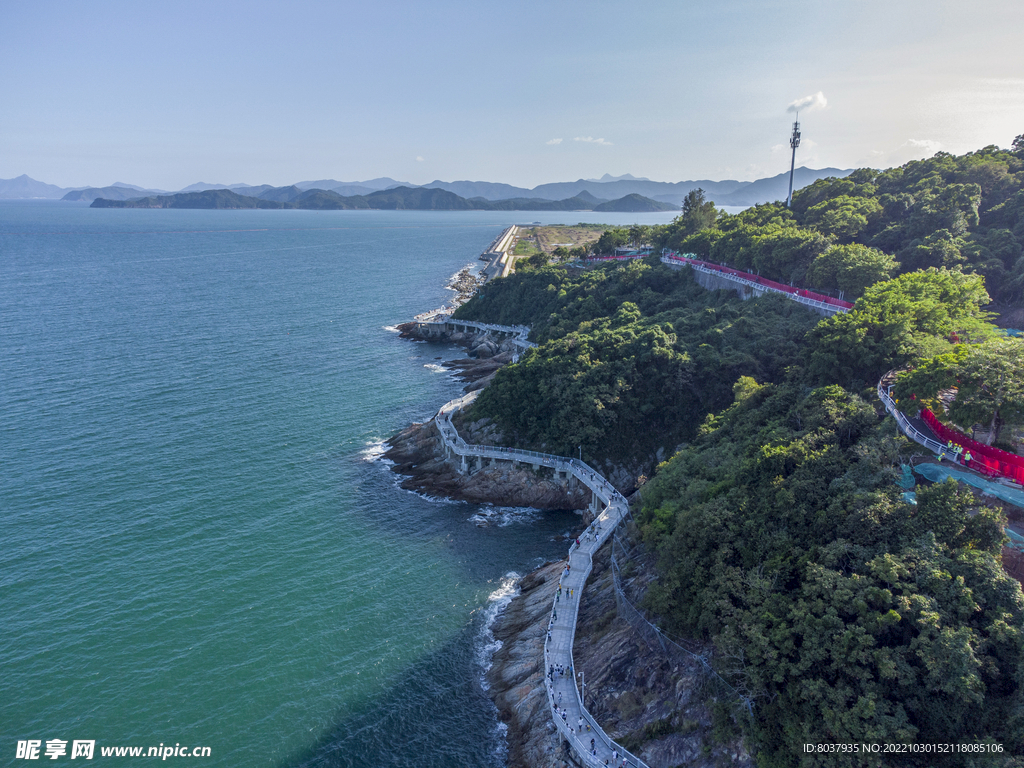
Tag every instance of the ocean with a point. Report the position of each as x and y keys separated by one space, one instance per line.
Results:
x=202 y=546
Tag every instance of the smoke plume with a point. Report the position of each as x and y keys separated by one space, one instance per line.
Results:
x=814 y=101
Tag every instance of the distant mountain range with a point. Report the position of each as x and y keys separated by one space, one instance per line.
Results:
x=396 y=198
x=607 y=188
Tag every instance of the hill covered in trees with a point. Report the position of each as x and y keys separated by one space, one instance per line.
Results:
x=847 y=614
x=396 y=198
x=843 y=234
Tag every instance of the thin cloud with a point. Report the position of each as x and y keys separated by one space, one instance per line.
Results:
x=592 y=140
x=929 y=146
x=911 y=149
x=807 y=103
x=419 y=159
x=554 y=141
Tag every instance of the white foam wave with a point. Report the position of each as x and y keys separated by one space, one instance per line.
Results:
x=374 y=451
x=391 y=328
x=502 y=517
x=487 y=645
x=435 y=368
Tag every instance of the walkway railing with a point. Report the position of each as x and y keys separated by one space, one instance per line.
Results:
x=518 y=332
x=904 y=423
x=571 y=717
x=658 y=640
x=806 y=300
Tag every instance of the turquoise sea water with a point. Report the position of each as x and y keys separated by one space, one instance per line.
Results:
x=199 y=547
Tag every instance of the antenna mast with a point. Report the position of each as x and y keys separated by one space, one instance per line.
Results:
x=794 y=142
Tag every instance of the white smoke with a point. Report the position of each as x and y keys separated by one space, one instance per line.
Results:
x=814 y=101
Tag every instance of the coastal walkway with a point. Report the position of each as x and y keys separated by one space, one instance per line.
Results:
x=592 y=746
x=441 y=319
x=754 y=285
x=1006 y=468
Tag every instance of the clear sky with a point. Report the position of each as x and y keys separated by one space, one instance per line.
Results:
x=167 y=94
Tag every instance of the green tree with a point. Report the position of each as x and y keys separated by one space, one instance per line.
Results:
x=850 y=268
x=611 y=239
x=698 y=212
x=844 y=217
x=538 y=260
x=639 y=235
x=899 y=322
x=989 y=381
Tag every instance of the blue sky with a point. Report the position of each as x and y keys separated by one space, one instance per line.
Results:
x=164 y=95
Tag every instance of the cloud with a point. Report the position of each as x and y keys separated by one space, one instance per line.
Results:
x=807 y=103
x=592 y=140
x=419 y=159
x=928 y=146
x=911 y=149
x=554 y=141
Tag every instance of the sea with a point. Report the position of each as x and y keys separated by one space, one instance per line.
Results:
x=202 y=546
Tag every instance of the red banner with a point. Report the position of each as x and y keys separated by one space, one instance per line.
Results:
x=782 y=287
x=984 y=458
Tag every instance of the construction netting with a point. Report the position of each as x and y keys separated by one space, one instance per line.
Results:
x=937 y=473
x=984 y=458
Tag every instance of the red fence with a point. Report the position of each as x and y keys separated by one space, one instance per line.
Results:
x=782 y=287
x=983 y=457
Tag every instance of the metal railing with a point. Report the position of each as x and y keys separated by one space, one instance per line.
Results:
x=904 y=423
x=615 y=509
x=519 y=332
x=657 y=639
x=759 y=286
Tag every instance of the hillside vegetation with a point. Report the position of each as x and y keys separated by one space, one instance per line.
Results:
x=397 y=198
x=847 y=614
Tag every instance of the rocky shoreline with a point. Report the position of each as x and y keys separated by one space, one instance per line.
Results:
x=659 y=708
x=651 y=704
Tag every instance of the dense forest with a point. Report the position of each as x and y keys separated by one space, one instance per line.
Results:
x=847 y=614
x=845 y=234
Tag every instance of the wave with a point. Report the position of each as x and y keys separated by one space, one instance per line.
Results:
x=502 y=517
x=374 y=451
x=435 y=368
x=391 y=328
x=486 y=644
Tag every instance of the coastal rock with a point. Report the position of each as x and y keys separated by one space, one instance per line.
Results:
x=656 y=706
x=418 y=452
x=516 y=676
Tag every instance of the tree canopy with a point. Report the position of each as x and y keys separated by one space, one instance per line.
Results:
x=989 y=382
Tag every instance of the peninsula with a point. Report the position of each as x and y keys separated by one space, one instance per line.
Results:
x=780 y=520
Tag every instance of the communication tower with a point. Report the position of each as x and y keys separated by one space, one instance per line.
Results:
x=794 y=142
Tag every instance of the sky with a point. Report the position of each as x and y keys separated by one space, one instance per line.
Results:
x=163 y=95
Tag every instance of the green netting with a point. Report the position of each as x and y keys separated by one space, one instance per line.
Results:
x=937 y=473
x=907 y=481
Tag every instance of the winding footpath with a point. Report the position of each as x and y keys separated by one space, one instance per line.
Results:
x=592 y=746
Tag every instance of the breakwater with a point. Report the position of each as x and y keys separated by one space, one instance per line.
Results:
x=499 y=254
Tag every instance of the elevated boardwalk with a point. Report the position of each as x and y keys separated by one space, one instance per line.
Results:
x=748 y=285
x=609 y=507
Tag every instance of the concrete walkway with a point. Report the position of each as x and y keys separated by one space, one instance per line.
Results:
x=592 y=746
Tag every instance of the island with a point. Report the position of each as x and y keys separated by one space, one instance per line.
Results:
x=397 y=198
